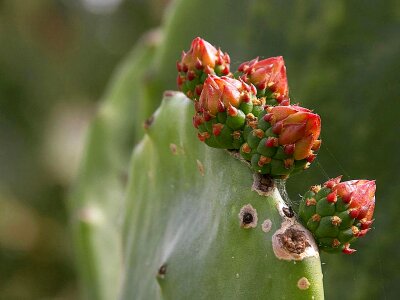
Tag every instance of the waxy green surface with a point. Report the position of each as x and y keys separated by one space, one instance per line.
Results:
x=182 y=219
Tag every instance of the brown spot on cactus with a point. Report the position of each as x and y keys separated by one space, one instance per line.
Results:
x=248 y=216
x=266 y=225
x=288 y=212
x=162 y=271
x=262 y=184
x=148 y=122
x=173 y=148
x=294 y=241
x=303 y=283
x=200 y=167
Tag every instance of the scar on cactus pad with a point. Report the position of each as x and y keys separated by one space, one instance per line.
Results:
x=249 y=111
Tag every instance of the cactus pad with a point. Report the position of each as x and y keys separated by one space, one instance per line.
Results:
x=195 y=229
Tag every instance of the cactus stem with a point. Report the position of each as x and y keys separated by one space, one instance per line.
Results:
x=248 y=216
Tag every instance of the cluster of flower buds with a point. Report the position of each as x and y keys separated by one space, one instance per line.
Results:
x=250 y=111
x=339 y=212
x=269 y=77
x=201 y=60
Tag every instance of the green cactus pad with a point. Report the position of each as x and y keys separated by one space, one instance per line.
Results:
x=195 y=229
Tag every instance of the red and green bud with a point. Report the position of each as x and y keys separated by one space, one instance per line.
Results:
x=269 y=77
x=201 y=60
x=286 y=135
x=339 y=212
x=224 y=101
x=297 y=127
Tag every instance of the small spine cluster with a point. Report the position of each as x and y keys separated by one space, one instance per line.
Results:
x=338 y=213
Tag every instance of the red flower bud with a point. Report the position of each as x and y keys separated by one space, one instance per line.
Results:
x=362 y=197
x=296 y=125
x=223 y=90
x=268 y=73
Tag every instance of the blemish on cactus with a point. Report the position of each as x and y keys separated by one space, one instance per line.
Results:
x=162 y=271
x=200 y=167
x=288 y=212
x=303 y=283
x=248 y=216
x=262 y=184
x=91 y=215
x=173 y=148
x=266 y=225
x=148 y=122
x=294 y=241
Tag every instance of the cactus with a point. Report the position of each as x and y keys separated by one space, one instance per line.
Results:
x=339 y=212
x=198 y=225
x=197 y=222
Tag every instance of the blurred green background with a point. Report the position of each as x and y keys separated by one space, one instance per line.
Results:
x=56 y=57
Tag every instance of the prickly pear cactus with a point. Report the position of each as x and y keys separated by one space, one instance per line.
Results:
x=200 y=225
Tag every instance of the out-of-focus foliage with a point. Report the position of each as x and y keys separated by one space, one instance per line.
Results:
x=55 y=60
x=342 y=60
